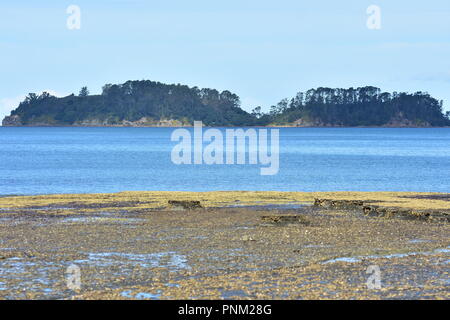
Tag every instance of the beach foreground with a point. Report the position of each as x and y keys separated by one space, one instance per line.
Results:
x=239 y=245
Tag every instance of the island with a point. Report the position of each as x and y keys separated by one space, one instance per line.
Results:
x=153 y=104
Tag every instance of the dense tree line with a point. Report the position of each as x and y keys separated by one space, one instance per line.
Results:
x=366 y=106
x=134 y=100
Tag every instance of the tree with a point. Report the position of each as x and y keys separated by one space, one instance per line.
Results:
x=257 y=112
x=282 y=106
x=106 y=88
x=84 y=92
x=44 y=95
x=31 y=97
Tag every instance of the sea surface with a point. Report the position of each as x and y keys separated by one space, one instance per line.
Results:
x=97 y=160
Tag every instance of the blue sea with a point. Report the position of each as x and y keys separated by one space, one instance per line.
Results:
x=97 y=160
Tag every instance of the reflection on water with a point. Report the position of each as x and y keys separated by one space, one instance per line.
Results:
x=152 y=260
x=141 y=295
x=389 y=256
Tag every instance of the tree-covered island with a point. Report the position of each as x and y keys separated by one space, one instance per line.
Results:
x=149 y=103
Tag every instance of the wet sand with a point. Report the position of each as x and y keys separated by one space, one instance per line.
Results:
x=132 y=246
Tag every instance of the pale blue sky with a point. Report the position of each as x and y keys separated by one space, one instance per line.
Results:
x=261 y=50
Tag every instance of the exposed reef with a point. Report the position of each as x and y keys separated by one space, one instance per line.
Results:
x=385 y=212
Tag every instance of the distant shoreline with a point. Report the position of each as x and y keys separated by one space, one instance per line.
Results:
x=205 y=126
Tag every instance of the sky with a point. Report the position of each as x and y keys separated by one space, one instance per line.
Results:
x=263 y=51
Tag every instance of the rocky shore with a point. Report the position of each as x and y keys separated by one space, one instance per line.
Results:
x=223 y=245
x=16 y=121
x=386 y=212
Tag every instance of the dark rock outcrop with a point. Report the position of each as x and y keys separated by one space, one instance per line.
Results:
x=185 y=205
x=341 y=204
x=12 y=121
x=384 y=212
x=283 y=220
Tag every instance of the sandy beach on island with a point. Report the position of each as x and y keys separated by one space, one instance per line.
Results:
x=238 y=245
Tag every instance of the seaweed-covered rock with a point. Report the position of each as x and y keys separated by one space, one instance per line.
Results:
x=185 y=205
x=339 y=204
x=287 y=219
x=384 y=212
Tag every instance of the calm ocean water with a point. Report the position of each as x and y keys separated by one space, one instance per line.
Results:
x=85 y=160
